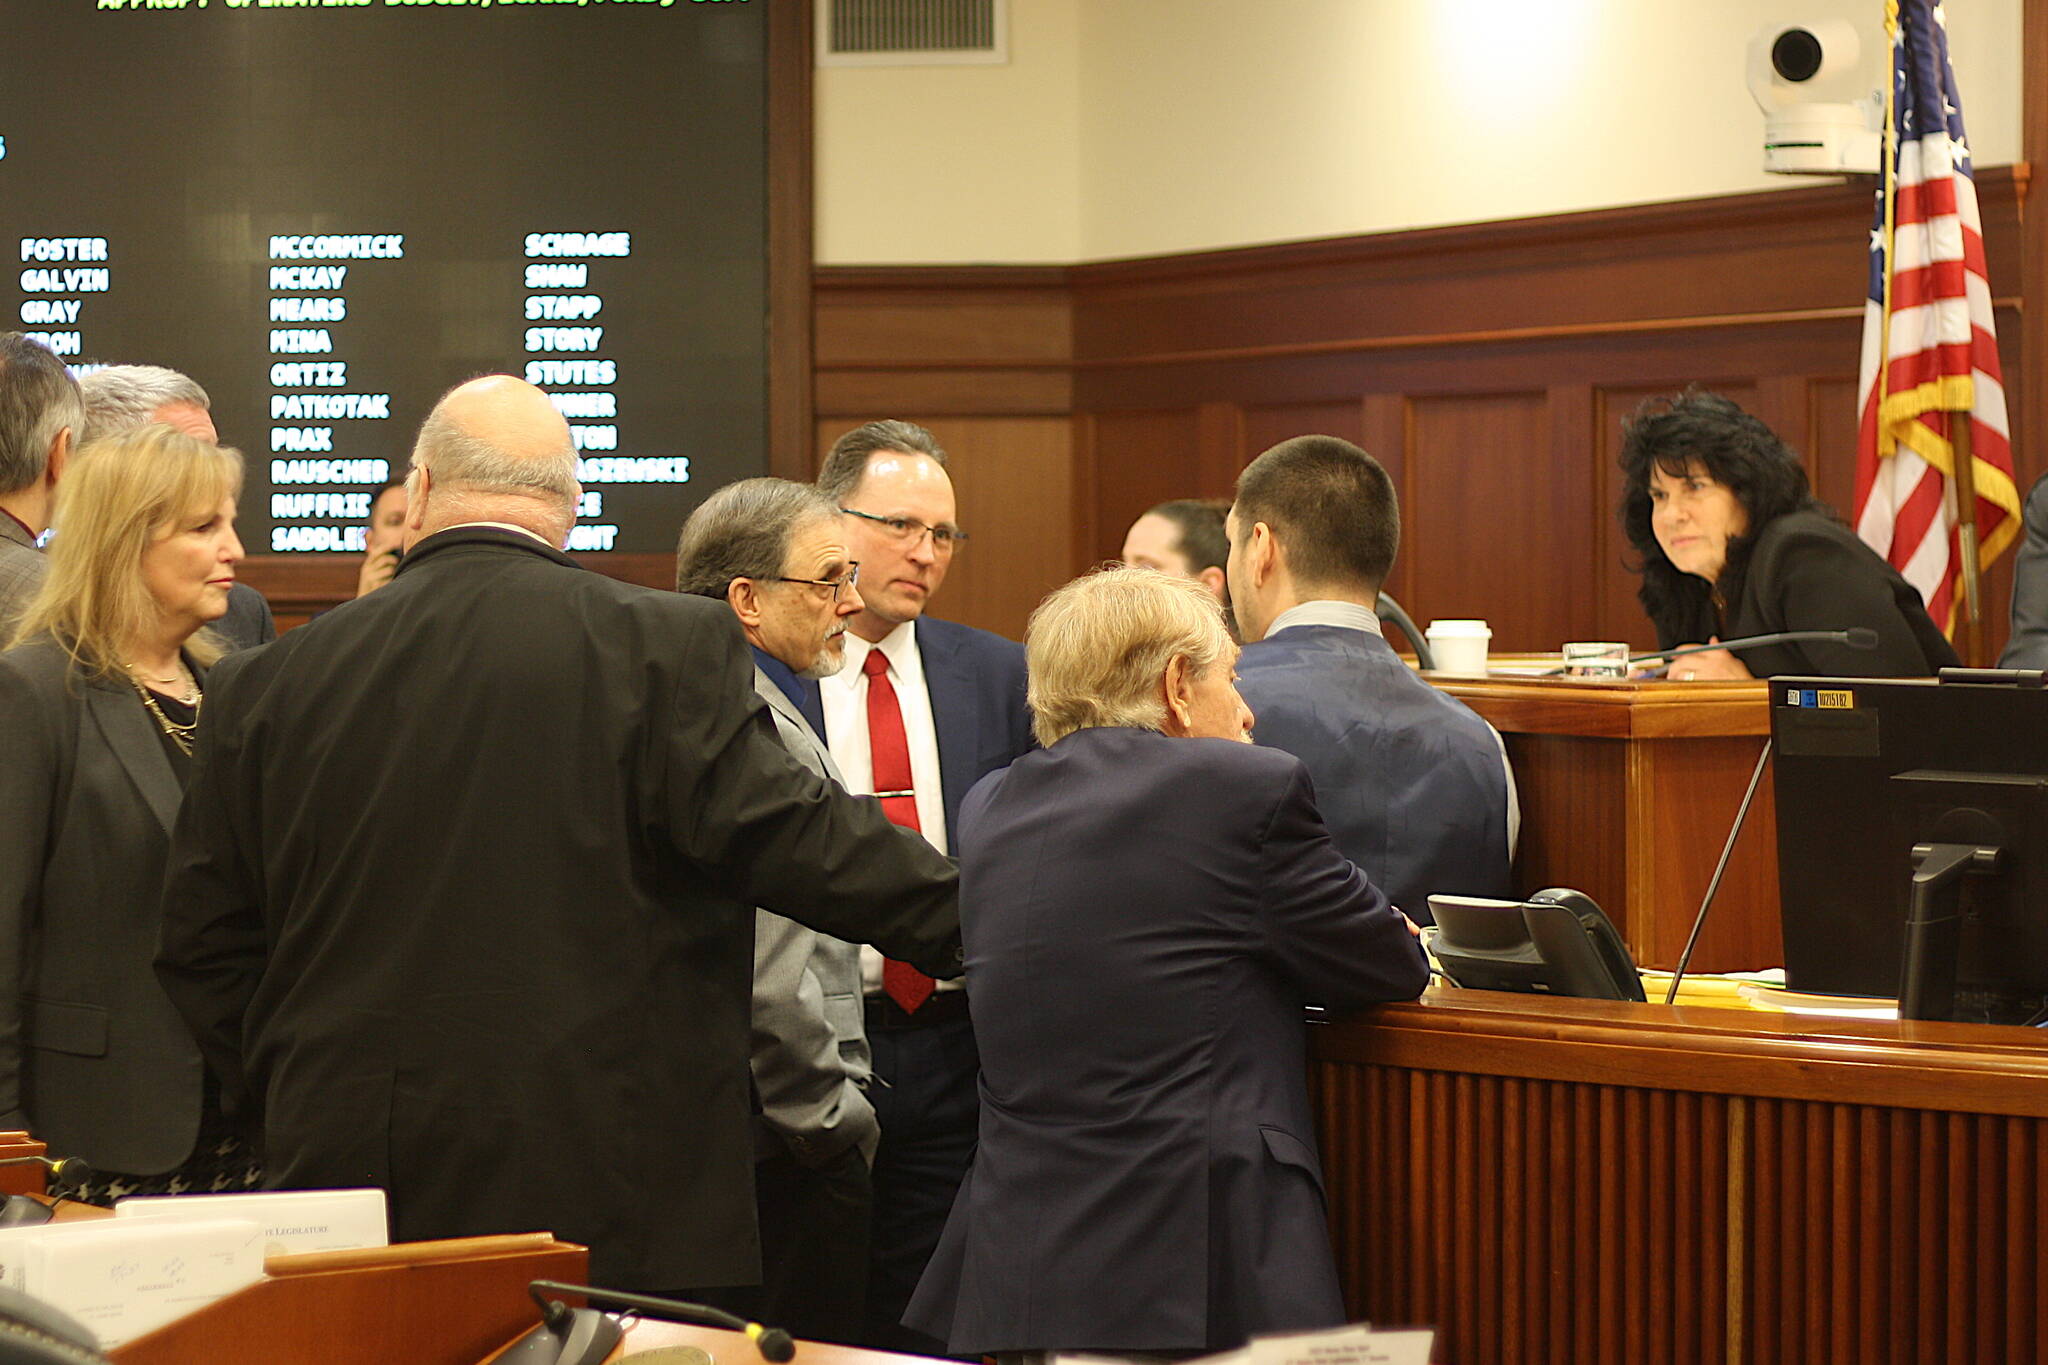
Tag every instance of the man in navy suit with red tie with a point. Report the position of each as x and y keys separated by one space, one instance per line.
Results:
x=920 y=710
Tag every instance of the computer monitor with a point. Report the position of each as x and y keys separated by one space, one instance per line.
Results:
x=1557 y=942
x=1916 y=812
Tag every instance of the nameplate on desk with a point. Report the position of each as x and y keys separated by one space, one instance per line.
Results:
x=293 y=1221
x=1357 y=1344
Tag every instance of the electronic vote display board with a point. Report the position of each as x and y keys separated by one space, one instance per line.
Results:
x=328 y=212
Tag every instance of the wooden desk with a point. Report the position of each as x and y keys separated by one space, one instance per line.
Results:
x=1557 y=1180
x=1627 y=790
x=733 y=1348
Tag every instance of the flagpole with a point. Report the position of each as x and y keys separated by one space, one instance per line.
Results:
x=1888 y=187
x=1965 y=476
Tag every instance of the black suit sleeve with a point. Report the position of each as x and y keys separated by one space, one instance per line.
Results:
x=211 y=945
x=784 y=838
x=1329 y=927
x=2028 y=646
x=28 y=783
x=1825 y=582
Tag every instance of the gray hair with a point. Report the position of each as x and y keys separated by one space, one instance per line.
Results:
x=847 y=462
x=743 y=531
x=1096 y=650
x=464 y=463
x=38 y=399
x=123 y=396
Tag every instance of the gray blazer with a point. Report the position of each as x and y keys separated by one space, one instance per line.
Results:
x=810 y=1046
x=21 y=572
x=93 y=1058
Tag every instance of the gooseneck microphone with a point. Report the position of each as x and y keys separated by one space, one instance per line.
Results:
x=61 y=1174
x=1855 y=637
x=60 y=1171
x=773 y=1343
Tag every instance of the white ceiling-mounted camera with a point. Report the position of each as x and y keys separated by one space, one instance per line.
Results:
x=1820 y=115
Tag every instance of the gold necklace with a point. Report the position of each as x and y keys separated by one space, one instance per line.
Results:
x=181 y=735
x=181 y=678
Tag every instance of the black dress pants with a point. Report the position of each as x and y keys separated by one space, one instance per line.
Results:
x=814 y=1248
x=927 y=1100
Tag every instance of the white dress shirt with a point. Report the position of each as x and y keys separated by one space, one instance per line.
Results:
x=1352 y=616
x=844 y=699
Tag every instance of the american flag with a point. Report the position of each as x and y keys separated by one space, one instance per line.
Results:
x=1930 y=354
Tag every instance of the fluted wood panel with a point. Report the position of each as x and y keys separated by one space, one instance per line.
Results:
x=1529 y=1221
x=1893 y=1235
x=1574 y=1181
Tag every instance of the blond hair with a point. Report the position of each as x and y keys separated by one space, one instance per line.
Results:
x=119 y=495
x=1097 y=649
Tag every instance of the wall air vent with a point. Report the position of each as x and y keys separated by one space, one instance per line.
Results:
x=913 y=32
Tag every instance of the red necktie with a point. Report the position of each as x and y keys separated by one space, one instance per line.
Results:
x=890 y=753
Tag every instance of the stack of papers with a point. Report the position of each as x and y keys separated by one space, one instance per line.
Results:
x=121 y=1278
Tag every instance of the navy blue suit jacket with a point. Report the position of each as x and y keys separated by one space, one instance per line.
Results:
x=976 y=681
x=1411 y=782
x=1145 y=918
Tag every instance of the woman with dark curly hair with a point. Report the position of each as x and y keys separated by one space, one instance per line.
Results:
x=1730 y=542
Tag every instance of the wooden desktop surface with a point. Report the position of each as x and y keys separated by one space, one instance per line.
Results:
x=1553 y=1180
x=1628 y=789
x=733 y=1348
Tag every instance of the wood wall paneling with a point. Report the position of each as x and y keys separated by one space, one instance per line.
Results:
x=1829 y=441
x=1179 y=369
x=977 y=342
x=1268 y=424
x=1141 y=459
x=1012 y=480
x=1492 y=531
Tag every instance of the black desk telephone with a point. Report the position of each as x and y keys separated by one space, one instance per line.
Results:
x=34 y=1333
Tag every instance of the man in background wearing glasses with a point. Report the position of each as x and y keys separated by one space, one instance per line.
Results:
x=918 y=713
x=775 y=552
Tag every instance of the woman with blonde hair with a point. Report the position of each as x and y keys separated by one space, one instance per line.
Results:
x=100 y=698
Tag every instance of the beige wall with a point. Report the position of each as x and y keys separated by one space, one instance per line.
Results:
x=956 y=164
x=1132 y=127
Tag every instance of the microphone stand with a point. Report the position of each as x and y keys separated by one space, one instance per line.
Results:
x=1714 y=885
x=774 y=1344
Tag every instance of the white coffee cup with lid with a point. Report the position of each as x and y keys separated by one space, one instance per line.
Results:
x=1459 y=646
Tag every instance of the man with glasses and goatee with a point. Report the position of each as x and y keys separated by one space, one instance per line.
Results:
x=918 y=713
x=775 y=552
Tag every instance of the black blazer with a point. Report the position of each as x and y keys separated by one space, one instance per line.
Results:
x=93 y=1059
x=462 y=893
x=1808 y=571
x=1145 y=918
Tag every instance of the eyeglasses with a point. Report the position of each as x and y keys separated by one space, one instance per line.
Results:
x=908 y=531
x=838 y=585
